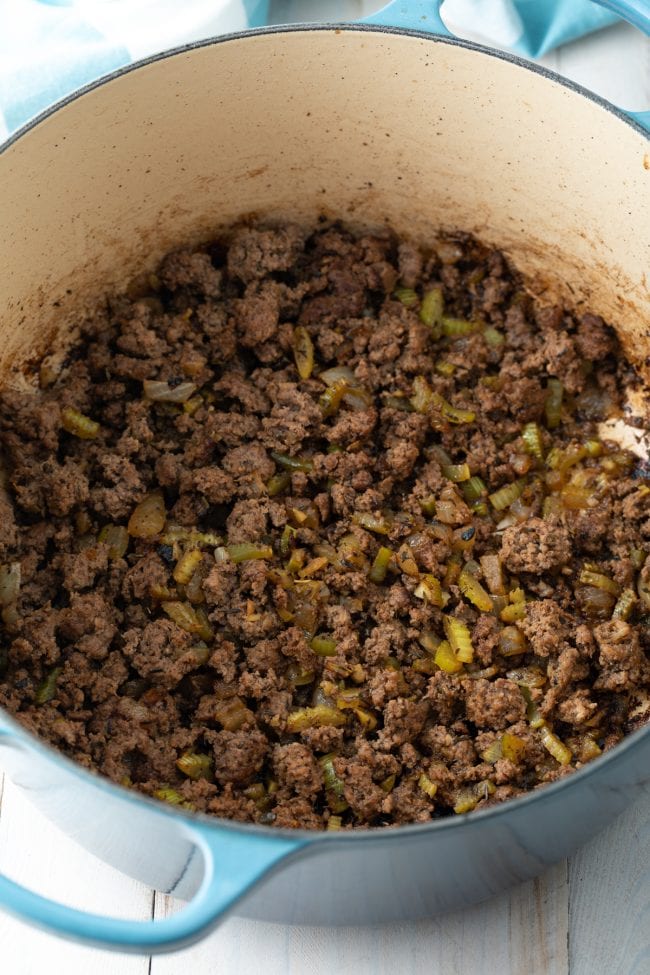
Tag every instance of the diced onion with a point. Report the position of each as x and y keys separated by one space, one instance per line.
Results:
x=189 y=618
x=446 y=658
x=472 y=589
x=9 y=583
x=117 y=539
x=379 y=567
x=553 y=404
x=456 y=472
x=78 y=424
x=186 y=566
x=371 y=522
x=148 y=518
x=407 y=296
x=336 y=373
x=303 y=352
x=511 y=642
x=430 y=590
x=591 y=577
x=505 y=496
x=457 y=327
x=459 y=638
x=232 y=714
x=560 y=752
x=195 y=766
x=163 y=392
x=532 y=437
x=427 y=786
x=527 y=676
x=432 y=308
x=320 y=716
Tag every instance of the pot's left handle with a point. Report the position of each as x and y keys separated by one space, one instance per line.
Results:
x=425 y=16
x=233 y=863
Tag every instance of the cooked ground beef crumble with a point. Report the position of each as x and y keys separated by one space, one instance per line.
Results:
x=319 y=532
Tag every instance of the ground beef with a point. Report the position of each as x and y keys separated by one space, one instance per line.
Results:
x=329 y=624
x=8 y=536
x=365 y=798
x=545 y=627
x=155 y=649
x=296 y=768
x=238 y=755
x=193 y=271
x=622 y=659
x=494 y=704
x=535 y=546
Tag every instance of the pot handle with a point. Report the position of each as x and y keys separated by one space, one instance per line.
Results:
x=234 y=862
x=411 y=15
x=637 y=13
x=425 y=16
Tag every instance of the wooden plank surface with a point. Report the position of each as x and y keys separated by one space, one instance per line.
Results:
x=610 y=899
x=588 y=917
x=522 y=931
x=38 y=855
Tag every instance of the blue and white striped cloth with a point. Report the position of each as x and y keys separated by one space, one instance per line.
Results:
x=48 y=48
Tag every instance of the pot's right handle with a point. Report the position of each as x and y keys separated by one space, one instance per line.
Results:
x=425 y=16
x=636 y=12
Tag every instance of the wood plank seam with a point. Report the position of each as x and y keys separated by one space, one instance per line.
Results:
x=567 y=874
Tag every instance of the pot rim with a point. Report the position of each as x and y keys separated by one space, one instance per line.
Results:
x=359 y=834
x=545 y=793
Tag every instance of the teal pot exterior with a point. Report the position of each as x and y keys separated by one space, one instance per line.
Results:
x=296 y=877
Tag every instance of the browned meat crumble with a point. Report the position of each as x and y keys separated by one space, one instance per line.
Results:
x=319 y=532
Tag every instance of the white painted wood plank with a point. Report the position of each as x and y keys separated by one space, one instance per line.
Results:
x=610 y=899
x=615 y=63
x=522 y=931
x=38 y=855
x=325 y=11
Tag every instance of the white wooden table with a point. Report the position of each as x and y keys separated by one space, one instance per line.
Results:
x=587 y=916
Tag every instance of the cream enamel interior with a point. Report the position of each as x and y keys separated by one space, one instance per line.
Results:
x=370 y=126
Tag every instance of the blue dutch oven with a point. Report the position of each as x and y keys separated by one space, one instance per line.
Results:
x=388 y=121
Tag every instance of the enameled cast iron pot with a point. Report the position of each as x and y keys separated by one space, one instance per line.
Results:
x=400 y=125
